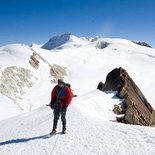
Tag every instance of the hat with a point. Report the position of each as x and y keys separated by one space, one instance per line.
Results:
x=60 y=81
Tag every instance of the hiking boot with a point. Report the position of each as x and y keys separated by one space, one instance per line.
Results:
x=64 y=131
x=53 y=132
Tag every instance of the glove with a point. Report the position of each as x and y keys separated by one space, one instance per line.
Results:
x=52 y=106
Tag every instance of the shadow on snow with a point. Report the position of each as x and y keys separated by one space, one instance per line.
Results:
x=23 y=140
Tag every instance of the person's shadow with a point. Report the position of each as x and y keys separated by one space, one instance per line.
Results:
x=23 y=140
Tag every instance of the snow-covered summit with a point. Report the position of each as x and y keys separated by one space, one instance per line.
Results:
x=64 y=40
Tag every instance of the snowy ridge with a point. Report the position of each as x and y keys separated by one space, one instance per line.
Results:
x=91 y=122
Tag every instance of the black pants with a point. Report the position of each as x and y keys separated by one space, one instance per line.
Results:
x=57 y=113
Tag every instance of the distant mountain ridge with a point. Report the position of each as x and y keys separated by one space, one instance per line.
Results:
x=68 y=40
x=142 y=43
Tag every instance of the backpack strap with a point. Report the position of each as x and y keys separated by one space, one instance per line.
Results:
x=58 y=92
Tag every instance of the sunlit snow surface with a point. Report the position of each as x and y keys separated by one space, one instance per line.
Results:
x=90 y=125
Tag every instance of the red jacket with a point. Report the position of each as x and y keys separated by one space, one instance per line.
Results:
x=64 y=95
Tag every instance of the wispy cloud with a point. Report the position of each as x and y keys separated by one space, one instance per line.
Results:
x=106 y=29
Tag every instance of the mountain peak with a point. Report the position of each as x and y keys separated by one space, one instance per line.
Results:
x=58 y=41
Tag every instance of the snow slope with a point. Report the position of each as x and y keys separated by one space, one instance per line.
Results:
x=28 y=134
x=90 y=119
x=15 y=54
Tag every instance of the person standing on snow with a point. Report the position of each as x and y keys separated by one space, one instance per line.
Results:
x=61 y=97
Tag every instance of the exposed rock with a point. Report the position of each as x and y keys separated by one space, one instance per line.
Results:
x=102 y=44
x=117 y=110
x=55 y=71
x=14 y=82
x=33 y=61
x=142 y=44
x=101 y=86
x=152 y=119
x=137 y=109
x=120 y=119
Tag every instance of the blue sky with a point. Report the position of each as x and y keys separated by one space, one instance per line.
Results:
x=35 y=21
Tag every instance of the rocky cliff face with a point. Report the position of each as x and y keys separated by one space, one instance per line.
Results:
x=135 y=106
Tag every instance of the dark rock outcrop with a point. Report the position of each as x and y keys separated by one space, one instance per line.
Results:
x=137 y=109
x=142 y=44
x=102 y=44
